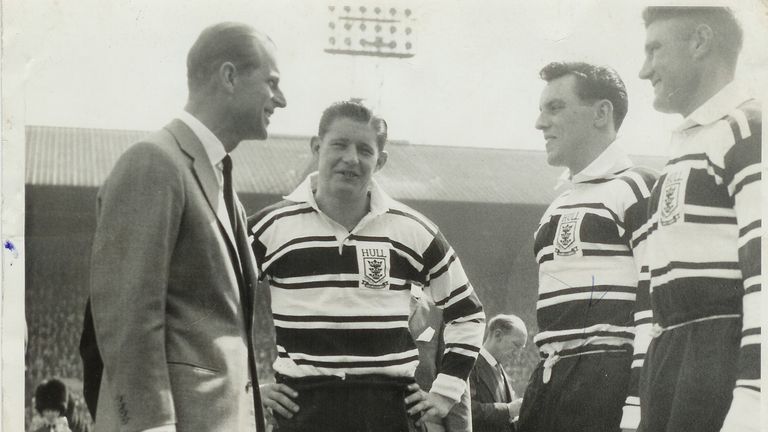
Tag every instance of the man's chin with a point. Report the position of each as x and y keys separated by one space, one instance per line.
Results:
x=260 y=135
x=662 y=105
x=552 y=160
x=348 y=189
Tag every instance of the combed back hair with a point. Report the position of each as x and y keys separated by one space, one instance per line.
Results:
x=506 y=323
x=593 y=83
x=354 y=111
x=729 y=35
x=224 y=42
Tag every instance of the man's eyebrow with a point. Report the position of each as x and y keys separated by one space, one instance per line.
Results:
x=650 y=45
x=552 y=102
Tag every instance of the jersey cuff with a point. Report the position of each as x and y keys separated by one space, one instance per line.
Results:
x=449 y=386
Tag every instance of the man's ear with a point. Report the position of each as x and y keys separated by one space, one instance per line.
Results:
x=226 y=76
x=603 y=114
x=383 y=157
x=702 y=40
x=314 y=145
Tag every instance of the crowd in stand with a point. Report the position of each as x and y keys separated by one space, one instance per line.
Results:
x=54 y=320
x=54 y=314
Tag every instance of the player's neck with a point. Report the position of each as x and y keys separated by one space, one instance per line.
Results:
x=716 y=80
x=344 y=211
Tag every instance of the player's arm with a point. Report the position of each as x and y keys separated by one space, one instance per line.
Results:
x=140 y=208
x=630 y=419
x=462 y=313
x=743 y=179
x=640 y=182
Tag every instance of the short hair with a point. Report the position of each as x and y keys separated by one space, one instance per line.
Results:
x=224 y=42
x=722 y=21
x=506 y=323
x=53 y=395
x=593 y=83
x=355 y=111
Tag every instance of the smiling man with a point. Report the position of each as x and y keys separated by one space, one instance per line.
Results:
x=341 y=256
x=586 y=245
x=702 y=371
x=172 y=277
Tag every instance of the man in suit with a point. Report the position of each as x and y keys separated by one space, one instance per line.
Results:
x=172 y=275
x=426 y=326
x=494 y=403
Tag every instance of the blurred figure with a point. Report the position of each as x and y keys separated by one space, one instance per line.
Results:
x=495 y=406
x=56 y=406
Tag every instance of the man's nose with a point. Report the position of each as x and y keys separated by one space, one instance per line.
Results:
x=279 y=99
x=350 y=155
x=645 y=71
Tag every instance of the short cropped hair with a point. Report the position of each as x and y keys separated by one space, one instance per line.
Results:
x=224 y=42
x=593 y=83
x=355 y=111
x=722 y=20
x=506 y=323
x=52 y=395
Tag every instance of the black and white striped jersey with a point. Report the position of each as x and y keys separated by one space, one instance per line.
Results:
x=589 y=247
x=586 y=246
x=340 y=299
x=704 y=236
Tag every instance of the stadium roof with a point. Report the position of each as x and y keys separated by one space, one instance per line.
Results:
x=84 y=157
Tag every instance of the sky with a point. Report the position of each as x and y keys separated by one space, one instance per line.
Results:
x=473 y=80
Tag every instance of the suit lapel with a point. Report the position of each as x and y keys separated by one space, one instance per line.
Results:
x=489 y=378
x=203 y=170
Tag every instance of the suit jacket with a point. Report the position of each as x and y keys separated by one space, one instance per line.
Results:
x=166 y=286
x=489 y=412
x=426 y=315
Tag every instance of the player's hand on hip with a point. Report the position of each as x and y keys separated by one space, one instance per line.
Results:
x=279 y=398
x=427 y=406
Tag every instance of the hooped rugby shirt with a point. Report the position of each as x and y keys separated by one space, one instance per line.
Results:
x=340 y=299
x=588 y=246
x=704 y=236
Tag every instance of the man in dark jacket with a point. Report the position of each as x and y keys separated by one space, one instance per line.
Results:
x=494 y=404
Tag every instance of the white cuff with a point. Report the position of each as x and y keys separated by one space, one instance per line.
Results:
x=744 y=415
x=448 y=386
x=630 y=418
